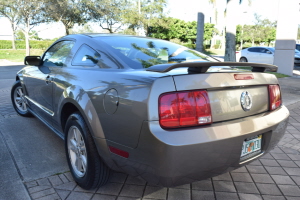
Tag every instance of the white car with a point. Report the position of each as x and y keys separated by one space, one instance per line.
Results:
x=262 y=55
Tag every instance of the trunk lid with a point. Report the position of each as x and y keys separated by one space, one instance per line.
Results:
x=226 y=93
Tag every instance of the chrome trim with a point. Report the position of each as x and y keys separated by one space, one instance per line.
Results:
x=246 y=101
x=252 y=158
x=46 y=110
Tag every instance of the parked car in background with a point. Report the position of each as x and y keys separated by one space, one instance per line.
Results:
x=297 y=47
x=262 y=55
x=297 y=56
x=257 y=55
x=149 y=108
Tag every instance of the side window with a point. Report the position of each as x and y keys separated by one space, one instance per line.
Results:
x=88 y=57
x=255 y=50
x=263 y=50
x=58 y=54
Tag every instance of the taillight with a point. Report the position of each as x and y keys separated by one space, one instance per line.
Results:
x=274 y=97
x=182 y=109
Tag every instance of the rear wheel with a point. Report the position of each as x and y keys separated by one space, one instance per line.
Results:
x=243 y=59
x=18 y=100
x=86 y=166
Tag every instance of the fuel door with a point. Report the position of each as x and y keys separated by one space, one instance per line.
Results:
x=111 y=101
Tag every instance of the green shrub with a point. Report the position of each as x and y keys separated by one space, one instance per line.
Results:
x=191 y=46
x=216 y=46
x=34 y=44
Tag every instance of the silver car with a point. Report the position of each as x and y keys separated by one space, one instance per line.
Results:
x=262 y=55
x=150 y=108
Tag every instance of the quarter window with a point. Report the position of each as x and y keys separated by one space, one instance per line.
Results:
x=58 y=54
x=88 y=57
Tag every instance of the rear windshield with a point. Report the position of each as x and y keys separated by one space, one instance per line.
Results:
x=145 y=52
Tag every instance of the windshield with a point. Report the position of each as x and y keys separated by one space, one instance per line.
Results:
x=140 y=52
x=297 y=51
x=271 y=49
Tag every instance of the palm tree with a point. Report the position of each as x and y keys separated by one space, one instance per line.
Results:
x=231 y=16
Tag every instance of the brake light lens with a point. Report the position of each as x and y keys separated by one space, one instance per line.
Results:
x=274 y=97
x=243 y=76
x=182 y=109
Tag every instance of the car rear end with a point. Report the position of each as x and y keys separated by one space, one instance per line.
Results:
x=207 y=124
x=203 y=119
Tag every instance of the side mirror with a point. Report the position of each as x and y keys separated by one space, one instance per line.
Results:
x=32 y=60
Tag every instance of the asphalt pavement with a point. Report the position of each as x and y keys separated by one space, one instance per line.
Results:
x=33 y=163
x=28 y=149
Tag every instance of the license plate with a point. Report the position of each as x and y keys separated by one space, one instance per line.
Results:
x=251 y=147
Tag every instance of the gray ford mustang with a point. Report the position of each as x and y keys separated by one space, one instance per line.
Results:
x=150 y=108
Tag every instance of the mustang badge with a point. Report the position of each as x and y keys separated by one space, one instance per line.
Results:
x=246 y=101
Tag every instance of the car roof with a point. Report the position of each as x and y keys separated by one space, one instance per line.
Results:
x=95 y=35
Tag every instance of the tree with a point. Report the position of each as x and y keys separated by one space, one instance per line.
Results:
x=231 y=10
x=145 y=14
x=209 y=30
x=32 y=35
x=8 y=9
x=84 y=29
x=110 y=14
x=264 y=30
x=31 y=13
x=269 y=30
x=69 y=12
x=176 y=28
x=298 y=34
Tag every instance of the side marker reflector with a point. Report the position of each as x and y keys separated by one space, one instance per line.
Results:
x=119 y=152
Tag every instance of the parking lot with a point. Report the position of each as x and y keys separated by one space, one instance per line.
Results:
x=33 y=163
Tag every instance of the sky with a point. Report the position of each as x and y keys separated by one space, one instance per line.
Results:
x=182 y=9
x=189 y=9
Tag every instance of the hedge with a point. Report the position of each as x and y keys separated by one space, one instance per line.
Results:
x=34 y=44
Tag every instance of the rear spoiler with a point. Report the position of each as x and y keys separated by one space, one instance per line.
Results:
x=202 y=67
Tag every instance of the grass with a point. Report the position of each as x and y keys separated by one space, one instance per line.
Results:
x=278 y=75
x=19 y=54
x=215 y=51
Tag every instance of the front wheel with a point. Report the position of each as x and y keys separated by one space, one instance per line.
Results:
x=18 y=100
x=243 y=59
x=86 y=166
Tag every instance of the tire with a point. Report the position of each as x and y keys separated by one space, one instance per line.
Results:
x=86 y=166
x=18 y=100
x=243 y=59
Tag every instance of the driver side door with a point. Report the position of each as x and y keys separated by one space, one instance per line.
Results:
x=39 y=80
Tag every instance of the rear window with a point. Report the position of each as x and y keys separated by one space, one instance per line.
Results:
x=145 y=52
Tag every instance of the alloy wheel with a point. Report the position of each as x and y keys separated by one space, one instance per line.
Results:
x=20 y=100
x=77 y=151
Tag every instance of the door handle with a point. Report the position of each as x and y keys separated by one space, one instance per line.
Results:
x=48 y=79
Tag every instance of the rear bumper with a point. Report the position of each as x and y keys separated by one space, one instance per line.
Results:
x=174 y=157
